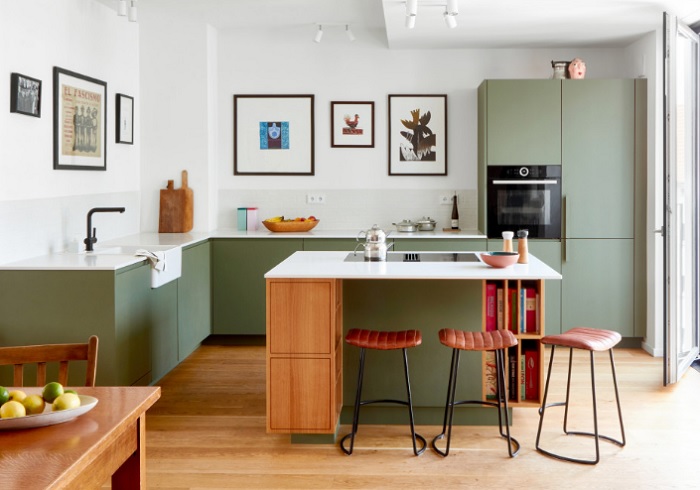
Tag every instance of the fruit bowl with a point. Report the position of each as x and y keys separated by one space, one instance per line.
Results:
x=290 y=226
x=49 y=417
x=499 y=259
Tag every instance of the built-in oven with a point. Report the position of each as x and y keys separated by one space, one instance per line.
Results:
x=524 y=198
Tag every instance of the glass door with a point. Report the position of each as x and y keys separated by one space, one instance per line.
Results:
x=681 y=197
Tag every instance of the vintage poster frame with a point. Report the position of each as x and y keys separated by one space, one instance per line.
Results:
x=78 y=146
x=251 y=153
x=29 y=104
x=344 y=136
x=124 y=128
x=401 y=110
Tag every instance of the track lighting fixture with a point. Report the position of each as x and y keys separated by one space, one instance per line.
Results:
x=450 y=14
x=319 y=33
x=121 y=8
x=133 y=14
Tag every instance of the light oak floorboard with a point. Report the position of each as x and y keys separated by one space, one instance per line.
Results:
x=208 y=432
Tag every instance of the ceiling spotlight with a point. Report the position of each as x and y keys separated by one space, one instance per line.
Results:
x=450 y=20
x=133 y=14
x=411 y=11
x=121 y=8
x=349 y=33
x=452 y=7
x=319 y=34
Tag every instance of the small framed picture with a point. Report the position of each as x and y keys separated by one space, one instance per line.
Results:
x=417 y=134
x=25 y=95
x=125 y=119
x=352 y=124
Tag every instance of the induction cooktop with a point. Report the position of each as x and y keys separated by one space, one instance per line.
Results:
x=418 y=257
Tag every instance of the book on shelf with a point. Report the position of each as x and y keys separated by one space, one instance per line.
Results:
x=513 y=373
x=513 y=309
x=490 y=306
x=499 y=308
x=522 y=376
x=490 y=375
x=530 y=303
x=532 y=378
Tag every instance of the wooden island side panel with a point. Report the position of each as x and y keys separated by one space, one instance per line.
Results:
x=304 y=355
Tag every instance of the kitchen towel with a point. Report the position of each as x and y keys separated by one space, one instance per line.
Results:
x=157 y=259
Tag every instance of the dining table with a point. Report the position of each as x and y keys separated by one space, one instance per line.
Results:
x=107 y=441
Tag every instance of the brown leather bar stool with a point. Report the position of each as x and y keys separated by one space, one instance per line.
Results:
x=497 y=341
x=592 y=340
x=373 y=339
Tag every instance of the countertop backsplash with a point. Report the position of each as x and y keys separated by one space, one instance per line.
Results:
x=351 y=209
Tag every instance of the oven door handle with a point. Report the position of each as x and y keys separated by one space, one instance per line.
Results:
x=524 y=182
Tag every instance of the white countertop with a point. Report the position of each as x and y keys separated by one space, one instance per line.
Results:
x=331 y=265
x=104 y=259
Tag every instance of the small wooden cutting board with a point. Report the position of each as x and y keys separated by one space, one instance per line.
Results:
x=176 y=208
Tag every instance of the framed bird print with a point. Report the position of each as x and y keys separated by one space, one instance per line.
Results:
x=352 y=124
x=417 y=134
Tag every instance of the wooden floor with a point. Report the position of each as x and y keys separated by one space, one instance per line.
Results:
x=208 y=431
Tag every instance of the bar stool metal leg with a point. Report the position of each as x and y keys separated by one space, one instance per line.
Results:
x=501 y=404
x=595 y=434
x=356 y=411
x=415 y=436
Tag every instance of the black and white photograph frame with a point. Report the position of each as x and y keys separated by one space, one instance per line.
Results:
x=25 y=95
x=79 y=121
x=124 y=128
x=273 y=134
x=352 y=124
x=417 y=134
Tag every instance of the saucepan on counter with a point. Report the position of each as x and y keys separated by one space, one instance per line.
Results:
x=423 y=224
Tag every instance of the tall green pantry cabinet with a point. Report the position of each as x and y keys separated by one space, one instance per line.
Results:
x=595 y=129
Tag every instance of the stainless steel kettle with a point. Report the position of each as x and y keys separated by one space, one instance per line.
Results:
x=374 y=244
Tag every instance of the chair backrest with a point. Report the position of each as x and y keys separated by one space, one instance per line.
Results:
x=40 y=355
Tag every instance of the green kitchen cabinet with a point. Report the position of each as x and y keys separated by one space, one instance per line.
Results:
x=194 y=298
x=238 y=282
x=330 y=244
x=521 y=122
x=598 y=285
x=438 y=245
x=598 y=148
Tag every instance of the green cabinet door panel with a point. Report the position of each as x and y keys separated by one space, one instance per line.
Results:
x=598 y=144
x=598 y=285
x=238 y=282
x=194 y=298
x=522 y=122
x=330 y=244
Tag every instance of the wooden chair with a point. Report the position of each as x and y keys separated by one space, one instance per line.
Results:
x=40 y=355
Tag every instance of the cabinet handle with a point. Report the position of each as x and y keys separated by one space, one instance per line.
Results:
x=565 y=219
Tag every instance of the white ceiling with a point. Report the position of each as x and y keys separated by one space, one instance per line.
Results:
x=480 y=23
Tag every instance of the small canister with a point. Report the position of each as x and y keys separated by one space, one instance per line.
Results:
x=522 y=246
x=251 y=219
x=242 y=219
x=507 y=241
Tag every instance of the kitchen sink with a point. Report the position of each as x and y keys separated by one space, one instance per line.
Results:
x=419 y=257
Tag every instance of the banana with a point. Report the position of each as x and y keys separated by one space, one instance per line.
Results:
x=276 y=219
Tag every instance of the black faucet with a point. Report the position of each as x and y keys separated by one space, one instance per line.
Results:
x=92 y=232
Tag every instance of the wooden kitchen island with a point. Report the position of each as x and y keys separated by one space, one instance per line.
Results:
x=314 y=297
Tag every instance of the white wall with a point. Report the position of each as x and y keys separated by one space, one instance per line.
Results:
x=42 y=209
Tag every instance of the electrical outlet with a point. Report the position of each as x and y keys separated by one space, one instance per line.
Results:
x=315 y=199
x=446 y=199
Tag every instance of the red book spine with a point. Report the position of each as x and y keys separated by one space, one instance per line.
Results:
x=513 y=309
x=532 y=384
x=530 y=310
x=490 y=306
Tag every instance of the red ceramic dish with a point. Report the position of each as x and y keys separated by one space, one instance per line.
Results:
x=499 y=259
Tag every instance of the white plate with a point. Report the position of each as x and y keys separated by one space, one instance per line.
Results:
x=49 y=417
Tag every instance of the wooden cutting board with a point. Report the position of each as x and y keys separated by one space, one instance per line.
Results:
x=176 y=208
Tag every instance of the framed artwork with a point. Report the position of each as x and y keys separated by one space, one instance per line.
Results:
x=417 y=134
x=25 y=95
x=125 y=119
x=352 y=124
x=79 y=121
x=273 y=135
